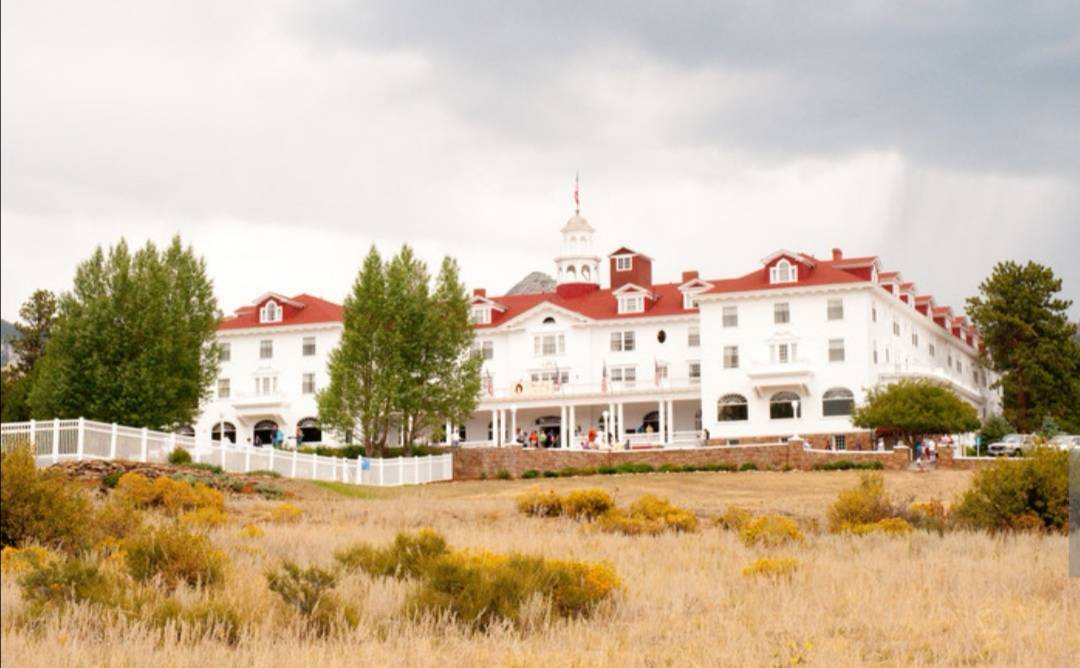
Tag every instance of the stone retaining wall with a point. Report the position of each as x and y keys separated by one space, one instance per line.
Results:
x=475 y=463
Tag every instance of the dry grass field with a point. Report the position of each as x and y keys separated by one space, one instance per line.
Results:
x=921 y=599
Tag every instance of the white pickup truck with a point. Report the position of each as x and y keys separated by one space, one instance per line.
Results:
x=1013 y=445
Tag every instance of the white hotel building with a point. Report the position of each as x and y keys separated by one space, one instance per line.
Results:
x=786 y=349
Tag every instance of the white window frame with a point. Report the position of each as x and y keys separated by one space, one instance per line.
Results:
x=623 y=341
x=693 y=371
x=624 y=262
x=837 y=351
x=487 y=350
x=784 y=272
x=693 y=337
x=834 y=309
x=226 y=351
x=783 y=353
x=224 y=384
x=786 y=311
x=730 y=316
x=308 y=344
x=631 y=303
x=730 y=356
x=271 y=311
x=266 y=349
x=480 y=315
x=549 y=345
x=307 y=383
x=689 y=300
x=624 y=376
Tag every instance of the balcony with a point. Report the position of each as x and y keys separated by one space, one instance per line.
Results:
x=251 y=405
x=934 y=373
x=770 y=376
x=528 y=390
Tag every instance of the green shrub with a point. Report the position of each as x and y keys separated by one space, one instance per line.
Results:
x=503 y=474
x=864 y=504
x=569 y=472
x=634 y=467
x=670 y=468
x=530 y=474
x=210 y=620
x=179 y=456
x=56 y=583
x=993 y=429
x=1032 y=493
x=607 y=469
x=203 y=466
x=478 y=589
x=408 y=556
x=175 y=555
x=847 y=465
x=41 y=507
x=263 y=473
x=110 y=480
x=770 y=531
x=116 y=519
x=748 y=466
x=551 y=474
x=310 y=592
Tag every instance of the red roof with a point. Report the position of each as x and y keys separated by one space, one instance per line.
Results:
x=313 y=310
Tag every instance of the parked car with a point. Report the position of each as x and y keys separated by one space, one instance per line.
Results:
x=1013 y=445
x=1065 y=441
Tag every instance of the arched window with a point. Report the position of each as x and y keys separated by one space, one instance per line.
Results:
x=549 y=320
x=571 y=273
x=264 y=431
x=785 y=406
x=585 y=273
x=230 y=432
x=732 y=408
x=837 y=401
x=310 y=431
x=185 y=430
x=782 y=272
x=270 y=312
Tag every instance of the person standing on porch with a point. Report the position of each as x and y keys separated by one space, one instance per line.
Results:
x=299 y=437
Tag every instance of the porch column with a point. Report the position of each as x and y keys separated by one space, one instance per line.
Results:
x=494 y=426
x=621 y=430
x=610 y=426
x=513 y=424
x=573 y=426
x=661 y=421
x=671 y=420
x=446 y=439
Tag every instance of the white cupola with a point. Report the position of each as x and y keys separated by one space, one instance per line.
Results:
x=577 y=263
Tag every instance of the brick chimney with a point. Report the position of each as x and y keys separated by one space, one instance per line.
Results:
x=479 y=292
x=688 y=276
x=837 y=254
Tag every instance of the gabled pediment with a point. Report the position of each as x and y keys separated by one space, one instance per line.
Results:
x=801 y=258
x=632 y=289
x=544 y=309
x=484 y=301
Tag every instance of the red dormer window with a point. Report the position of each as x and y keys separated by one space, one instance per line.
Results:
x=270 y=312
x=783 y=272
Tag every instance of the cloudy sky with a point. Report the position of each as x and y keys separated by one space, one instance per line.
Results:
x=282 y=138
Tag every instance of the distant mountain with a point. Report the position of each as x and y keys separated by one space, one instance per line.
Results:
x=7 y=331
x=532 y=284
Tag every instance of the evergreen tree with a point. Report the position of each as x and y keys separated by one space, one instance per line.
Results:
x=134 y=341
x=37 y=316
x=1030 y=342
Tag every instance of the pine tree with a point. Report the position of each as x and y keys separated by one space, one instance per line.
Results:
x=37 y=316
x=134 y=341
x=1030 y=341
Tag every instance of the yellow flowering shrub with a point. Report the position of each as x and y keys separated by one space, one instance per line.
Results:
x=864 y=504
x=285 y=513
x=586 y=503
x=408 y=556
x=770 y=531
x=540 y=503
x=175 y=555
x=648 y=515
x=734 y=518
x=175 y=496
x=930 y=516
x=892 y=526
x=479 y=588
x=204 y=517
x=136 y=488
x=771 y=567
x=18 y=560
x=252 y=531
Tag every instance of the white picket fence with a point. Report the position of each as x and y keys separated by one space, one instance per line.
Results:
x=58 y=440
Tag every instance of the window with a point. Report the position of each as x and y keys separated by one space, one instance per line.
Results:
x=839 y=442
x=266 y=349
x=732 y=408
x=226 y=352
x=309 y=346
x=270 y=312
x=689 y=300
x=486 y=349
x=694 y=372
x=622 y=341
x=895 y=328
x=784 y=406
x=933 y=350
x=560 y=376
x=836 y=350
x=693 y=337
x=731 y=357
x=661 y=336
x=626 y=375
x=632 y=304
x=782 y=353
x=223 y=388
x=959 y=367
x=308 y=384
x=545 y=345
x=624 y=263
x=731 y=316
x=835 y=310
x=783 y=272
x=549 y=320
x=837 y=401
x=265 y=385
x=781 y=313
x=915 y=339
x=481 y=315
x=873 y=313
x=875 y=352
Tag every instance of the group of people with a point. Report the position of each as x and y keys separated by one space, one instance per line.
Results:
x=549 y=438
x=277 y=437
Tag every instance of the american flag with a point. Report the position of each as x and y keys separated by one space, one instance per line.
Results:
x=603 y=379
x=656 y=364
x=489 y=384
x=558 y=380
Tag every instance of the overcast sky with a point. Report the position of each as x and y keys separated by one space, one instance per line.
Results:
x=283 y=138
